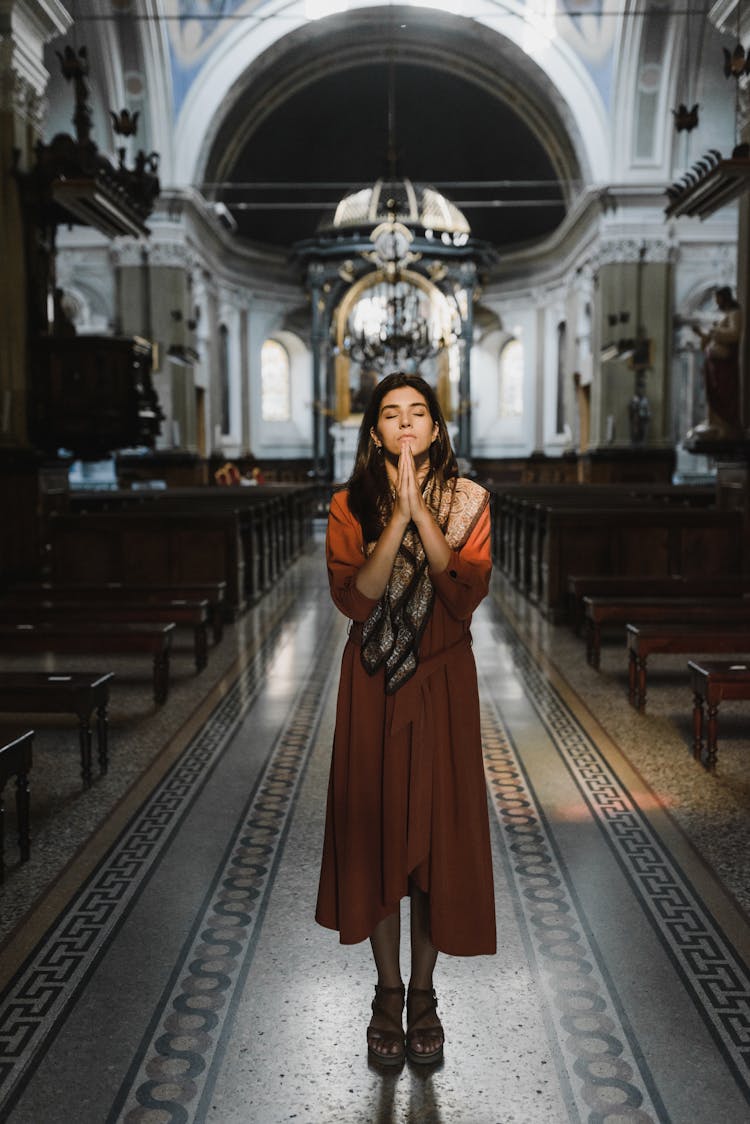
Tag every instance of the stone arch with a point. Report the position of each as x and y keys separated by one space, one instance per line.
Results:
x=251 y=72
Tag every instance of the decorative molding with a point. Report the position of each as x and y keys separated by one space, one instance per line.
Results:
x=27 y=27
x=128 y=252
x=125 y=252
x=17 y=94
x=626 y=251
x=174 y=255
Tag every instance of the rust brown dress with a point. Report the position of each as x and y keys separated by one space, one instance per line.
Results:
x=407 y=794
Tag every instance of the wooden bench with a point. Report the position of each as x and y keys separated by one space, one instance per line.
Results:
x=601 y=612
x=633 y=541
x=191 y=613
x=164 y=548
x=710 y=683
x=622 y=585
x=90 y=638
x=214 y=593
x=682 y=639
x=15 y=761
x=79 y=692
x=546 y=534
x=514 y=503
x=274 y=521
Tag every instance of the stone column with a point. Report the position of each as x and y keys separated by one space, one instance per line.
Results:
x=245 y=379
x=743 y=296
x=155 y=301
x=630 y=401
x=540 y=359
x=315 y=282
x=468 y=274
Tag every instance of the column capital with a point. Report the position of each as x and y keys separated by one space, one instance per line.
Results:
x=17 y=95
x=26 y=26
x=626 y=249
x=174 y=253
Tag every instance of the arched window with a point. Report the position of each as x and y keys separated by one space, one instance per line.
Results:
x=511 y=380
x=226 y=425
x=275 y=383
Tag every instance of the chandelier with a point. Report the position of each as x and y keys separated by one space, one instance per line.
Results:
x=396 y=325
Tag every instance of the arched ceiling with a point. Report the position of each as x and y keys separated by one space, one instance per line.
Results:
x=314 y=109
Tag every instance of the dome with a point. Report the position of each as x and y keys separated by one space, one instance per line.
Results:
x=412 y=204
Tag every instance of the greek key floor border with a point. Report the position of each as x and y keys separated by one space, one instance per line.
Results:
x=35 y=1002
x=174 y=1070
x=600 y=1067
x=713 y=973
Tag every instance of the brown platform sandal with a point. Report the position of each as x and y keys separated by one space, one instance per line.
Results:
x=387 y=1038
x=427 y=1005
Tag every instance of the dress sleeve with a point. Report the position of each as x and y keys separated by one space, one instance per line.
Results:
x=344 y=556
x=465 y=581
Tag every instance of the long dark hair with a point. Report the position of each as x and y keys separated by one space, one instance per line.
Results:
x=368 y=486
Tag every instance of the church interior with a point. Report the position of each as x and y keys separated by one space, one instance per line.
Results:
x=222 y=222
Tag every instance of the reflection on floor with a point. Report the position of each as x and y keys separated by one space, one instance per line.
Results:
x=162 y=964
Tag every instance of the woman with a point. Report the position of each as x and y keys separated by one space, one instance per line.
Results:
x=408 y=550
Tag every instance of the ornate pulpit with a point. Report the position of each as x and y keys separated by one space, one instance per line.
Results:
x=92 y=394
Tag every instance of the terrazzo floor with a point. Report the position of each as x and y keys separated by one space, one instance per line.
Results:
x=160 y=962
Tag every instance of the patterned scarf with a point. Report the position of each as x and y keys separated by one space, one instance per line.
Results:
x=392 y=632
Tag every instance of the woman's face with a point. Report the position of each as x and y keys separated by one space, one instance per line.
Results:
x=405 y=419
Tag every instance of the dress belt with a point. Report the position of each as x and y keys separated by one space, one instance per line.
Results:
x=409 y=701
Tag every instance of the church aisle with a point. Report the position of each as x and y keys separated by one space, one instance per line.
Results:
x=187 y=981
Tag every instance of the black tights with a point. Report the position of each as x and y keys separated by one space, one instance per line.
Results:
x=386 y=941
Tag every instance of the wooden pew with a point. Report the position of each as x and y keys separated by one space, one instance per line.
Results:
x=193 y=614
x=152 y=548
x=213 y=593
x=92 y=638
x=519 y=514
x=549 y=532
x=623 y=585
x=276 y=519
x=646 y=542
x=78 y=692
x=15 y=761
x=603 y=611
x=647 y=640
x=711 y=682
